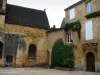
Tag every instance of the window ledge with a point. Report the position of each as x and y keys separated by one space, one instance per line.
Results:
x=30 y=60
x=73 y=18
x=68 y=43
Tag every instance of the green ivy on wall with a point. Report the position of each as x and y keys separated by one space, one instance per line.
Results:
x=93 y=15
x=62 y=55
x=74 y=26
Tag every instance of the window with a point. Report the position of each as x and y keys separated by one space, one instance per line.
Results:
x=72 y=14
x=88 y=7
x=69 y=37
x=89 y=33
x=32 y=52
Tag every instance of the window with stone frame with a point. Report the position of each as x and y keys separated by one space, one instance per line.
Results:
x=88 y=7
x=69 y=37
x=32 y=52
x=72 y=14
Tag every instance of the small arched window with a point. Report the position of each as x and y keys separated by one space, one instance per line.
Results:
x=1 y=47
x=32 y=52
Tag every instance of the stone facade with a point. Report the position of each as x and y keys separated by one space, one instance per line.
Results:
x=31 y=36
x=80 y=54
x=16 y=40
x=35 y=36
x=52 y=38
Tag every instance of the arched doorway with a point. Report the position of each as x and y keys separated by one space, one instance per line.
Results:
x=32 y=52
x=90 y=62
x=1 y=48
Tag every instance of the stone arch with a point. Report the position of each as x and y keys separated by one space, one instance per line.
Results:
x=90 y=62
x=55 y=54
x=32 y=52
x=1 y=49
x=60 y=40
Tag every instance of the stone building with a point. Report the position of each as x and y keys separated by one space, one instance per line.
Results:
x=23 y=37
x=87 y=52
x=87 y=49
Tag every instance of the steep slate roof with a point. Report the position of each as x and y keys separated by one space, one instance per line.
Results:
x=63 y=23
x=76 y=4
x=26 y=17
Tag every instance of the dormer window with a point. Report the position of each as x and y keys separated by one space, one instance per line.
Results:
x=72 y=14
x=88 y=7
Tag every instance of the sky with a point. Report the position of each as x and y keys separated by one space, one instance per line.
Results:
x=54 y=8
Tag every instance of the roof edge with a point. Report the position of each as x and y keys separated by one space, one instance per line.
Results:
x=76 y=4
x=47 y=19
x=57 y=29
x=25 y=7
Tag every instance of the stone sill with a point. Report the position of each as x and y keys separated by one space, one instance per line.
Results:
x=32 y=60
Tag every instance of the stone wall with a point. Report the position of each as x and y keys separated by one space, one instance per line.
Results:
x=31 y=36
x=3 y=42
x=2 y=18
x=52 y=38
x=80 y=12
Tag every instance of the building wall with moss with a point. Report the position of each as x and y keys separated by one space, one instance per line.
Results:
x=80 y=54
x=31 y=36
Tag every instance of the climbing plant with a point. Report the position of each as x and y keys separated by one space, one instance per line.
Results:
x=74 y=26
x=93 y=15
x=62 y=55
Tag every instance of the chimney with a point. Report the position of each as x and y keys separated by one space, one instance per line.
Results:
x=45 y=10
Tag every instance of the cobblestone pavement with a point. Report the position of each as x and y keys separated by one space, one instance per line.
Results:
x=40 y=71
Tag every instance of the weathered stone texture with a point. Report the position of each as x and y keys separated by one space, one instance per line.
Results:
x=31 y=36
x=80 y=12
x=53 y=37
x=2 y=18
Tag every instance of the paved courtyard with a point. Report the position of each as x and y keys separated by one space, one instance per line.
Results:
x=40 y=71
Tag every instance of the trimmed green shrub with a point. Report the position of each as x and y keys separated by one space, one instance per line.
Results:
x=62 y=55
x=67 y=56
